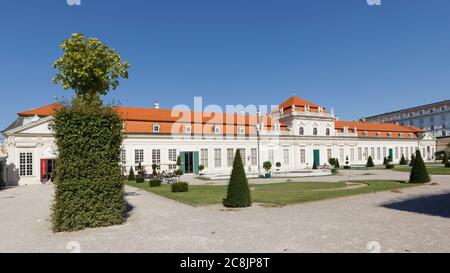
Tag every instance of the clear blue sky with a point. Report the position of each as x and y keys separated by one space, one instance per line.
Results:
x=345 y=54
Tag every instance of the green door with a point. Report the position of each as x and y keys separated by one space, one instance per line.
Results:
x=317 y=157
x=182 y=159
x=391 y=155
x=196 y=162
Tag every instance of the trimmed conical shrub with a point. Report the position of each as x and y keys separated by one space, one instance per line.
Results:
x=385 y=161
x=445 y=159
x=238 y=195
x=403 y=160
x=413 y=158
x=370 y=162
x=419 y=172
x=314 y=166
x=131 y=176
x=337 y=164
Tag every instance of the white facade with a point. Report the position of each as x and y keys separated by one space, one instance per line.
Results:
x=27 y=145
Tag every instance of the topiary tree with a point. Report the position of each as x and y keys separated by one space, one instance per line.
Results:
x=238 y=194
x=89 y=183
x=385 y=161
x=370 y=162
x=267 y=166
x=154 y=167
x=347 y=161
x=131 y=176
x=403 y=161
x=445 y=159
x=201 y=168
x=178 y=161
x=314 y=166
x=332 y=161
x=179 y=173
x=413 y=158
x=337 y=166
x=419 y=172
x=278 y=164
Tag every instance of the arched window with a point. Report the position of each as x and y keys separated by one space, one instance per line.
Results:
x=302 y=131
x=328 y=131
x=315 y=131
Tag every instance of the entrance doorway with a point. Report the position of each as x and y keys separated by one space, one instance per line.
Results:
x=317 y=157
x=48 y=167
x=189 y=162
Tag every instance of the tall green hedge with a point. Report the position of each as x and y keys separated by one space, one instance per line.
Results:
x=1 y=173
x=238 y=194
x=89 y=185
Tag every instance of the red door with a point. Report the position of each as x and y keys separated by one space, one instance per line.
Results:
x=43 y=169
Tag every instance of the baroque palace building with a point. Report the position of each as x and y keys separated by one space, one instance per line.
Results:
x=297 y=133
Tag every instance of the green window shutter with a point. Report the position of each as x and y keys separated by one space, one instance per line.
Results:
x=196 y=162
x=182 y=166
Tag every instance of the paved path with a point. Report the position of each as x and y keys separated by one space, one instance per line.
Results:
x=344 y=175
x=419 y=224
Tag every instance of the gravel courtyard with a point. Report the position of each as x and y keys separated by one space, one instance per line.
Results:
x=414 y=220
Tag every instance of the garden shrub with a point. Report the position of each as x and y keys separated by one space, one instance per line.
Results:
x=89 y=184
x=131 y=176
x=390 y=166
x=403 y=161
x=238 y=193
x=370 y=162
x=447 y=165
x=419 y=172
x=155 y=183
x=413 y=158
x=140 y=179
x=445 y=158
x=180 y=187
x=314 y=166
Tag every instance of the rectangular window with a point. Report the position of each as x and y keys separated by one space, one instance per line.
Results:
x=341 y=155
x=271 y=156
x=138 y=157
x=379 y=153
x=230 y=157
x=217 y=158
x=173 y=155
x=406 y=153
x=366 y=153
x=401 y=151
x=156 y=157
x=286 y=157
x=359 y=154
x=156 y=129
x=329 y=154
x=254 y=156
x=242 y=152
x=352 y=154
x=396 y=152
x=372 y=152
x=302 y=156
x=204 y=157
x=123 y=160
x=26 y=164
x=384 y=152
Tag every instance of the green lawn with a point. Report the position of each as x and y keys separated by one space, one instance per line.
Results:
x=277 y=194
x=433 y=170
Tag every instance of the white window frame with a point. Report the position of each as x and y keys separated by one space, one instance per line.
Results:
x=187 y=129
x=26 y=164
x=218 y=158
x=156 y=128
x=230 y=157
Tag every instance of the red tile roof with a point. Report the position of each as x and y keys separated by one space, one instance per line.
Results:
x=141 y=120
x=299 y=104
x=382 y=130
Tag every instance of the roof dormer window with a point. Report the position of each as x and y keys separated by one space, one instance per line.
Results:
x=400 y=135
x=366 y=133
x=378 y=134
x=217 y=130
x=389 y=134
x=411 y=135
x=156 y=128
x=241 y=130
x=187 y=129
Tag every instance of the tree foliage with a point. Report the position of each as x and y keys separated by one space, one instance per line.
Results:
x=238 y=194
x=89 y=67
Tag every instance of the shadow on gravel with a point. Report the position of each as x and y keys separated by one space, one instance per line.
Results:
x=435 y=205
x=128 y=209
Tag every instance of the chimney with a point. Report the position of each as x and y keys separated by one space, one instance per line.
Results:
x=157 y=105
